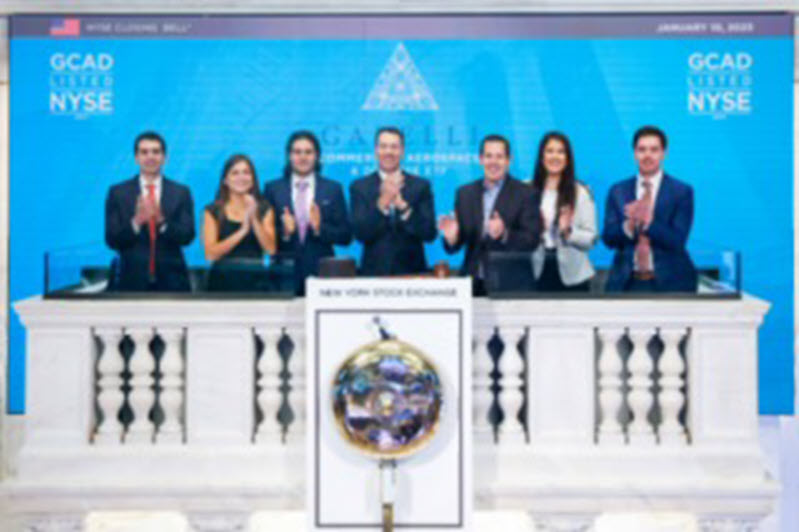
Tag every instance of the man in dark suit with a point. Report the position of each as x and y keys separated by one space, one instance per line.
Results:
x=148 y=219
x=494 y=213
x=647 y=221
x=392 y=212
x=311 y=214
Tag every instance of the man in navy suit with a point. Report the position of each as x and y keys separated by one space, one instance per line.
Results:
x=647 y=221
x=148 y=219
x=392 y=212
x=495 y=213
x=311 y=214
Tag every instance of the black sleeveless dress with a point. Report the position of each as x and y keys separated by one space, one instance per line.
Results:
x=242 y=269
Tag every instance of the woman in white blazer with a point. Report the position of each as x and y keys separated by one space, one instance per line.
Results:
x=561 y=263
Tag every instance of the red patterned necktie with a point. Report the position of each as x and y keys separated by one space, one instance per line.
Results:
x=643 y=249
x=151 y=227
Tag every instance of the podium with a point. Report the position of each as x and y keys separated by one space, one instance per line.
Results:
x=433 y=488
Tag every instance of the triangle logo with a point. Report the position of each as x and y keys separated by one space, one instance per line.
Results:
x=400 y=87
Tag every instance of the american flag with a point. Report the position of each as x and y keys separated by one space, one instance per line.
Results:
x=65 y=27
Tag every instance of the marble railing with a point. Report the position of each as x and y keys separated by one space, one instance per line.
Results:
x=580 y=407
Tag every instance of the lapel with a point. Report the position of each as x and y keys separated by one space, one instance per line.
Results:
x=505 y=196
x=477 y=200
x=132 y=192
x=661 y=200
x=168 y=197
x=317 y=191
x=283 y=194
x=408 y=186
x=628 y=191
x=374 y=185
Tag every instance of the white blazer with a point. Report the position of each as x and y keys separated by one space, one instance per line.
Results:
x=573 y=262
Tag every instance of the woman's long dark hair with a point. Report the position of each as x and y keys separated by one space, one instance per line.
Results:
x=567 y=187
x=223 y=194
x=310 y=137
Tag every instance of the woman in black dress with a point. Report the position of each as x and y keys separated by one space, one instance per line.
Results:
x=239 y=227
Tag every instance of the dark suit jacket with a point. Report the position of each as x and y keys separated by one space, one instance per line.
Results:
x=130 y=271
x=668 y=235
x=334 y=229
x=518 y=210
x=391 y=245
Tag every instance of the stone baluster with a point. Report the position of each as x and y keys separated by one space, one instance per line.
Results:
x=641 y=396
x=611 y=394
x=672 y=383
x=269 y=430
x=483 y=395
x=142 y=392
x=296 y=386
x=110 y=396
x=511 y=365
x=172 y=390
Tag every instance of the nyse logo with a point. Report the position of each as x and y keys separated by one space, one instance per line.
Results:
x=81 y=84
x=720 y=83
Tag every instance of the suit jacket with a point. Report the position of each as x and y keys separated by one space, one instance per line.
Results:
x=668 y=234
x=391 y=245
x=517 y=208
x=130 y=271
x=574 y=265
x=334 y=229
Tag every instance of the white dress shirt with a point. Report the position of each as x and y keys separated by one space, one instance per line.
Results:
x=549 y=210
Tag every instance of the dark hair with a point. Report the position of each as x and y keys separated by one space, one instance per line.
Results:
x=650 y=131
x=390 y=129
x=495 y=138
x=223 y=194
x=148 y=135
x=567 y=187
x=310 y=137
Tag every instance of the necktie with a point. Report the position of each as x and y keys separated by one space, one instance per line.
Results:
x=301 y=208
x=643 y=250
x=151 y=227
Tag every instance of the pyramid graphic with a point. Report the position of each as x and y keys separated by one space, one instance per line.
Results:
x=400 y=87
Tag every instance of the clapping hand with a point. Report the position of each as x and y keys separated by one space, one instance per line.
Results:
x=565 y=218
x=448 y=225
x=315 y=217
x=147 y=209
x=496 y=227
x=288 y=221
x=250 y=208
x=637 y=213
x=389 y=190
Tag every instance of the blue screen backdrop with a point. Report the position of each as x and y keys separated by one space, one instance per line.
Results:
x=213 y=96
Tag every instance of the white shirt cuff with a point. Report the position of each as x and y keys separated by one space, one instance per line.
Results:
x=136 y=227
x=626 y=228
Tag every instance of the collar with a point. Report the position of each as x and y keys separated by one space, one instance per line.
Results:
x=310 y=179
x=157 y=181
x=384 y=176
x=494 y=187
x=655 y=179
